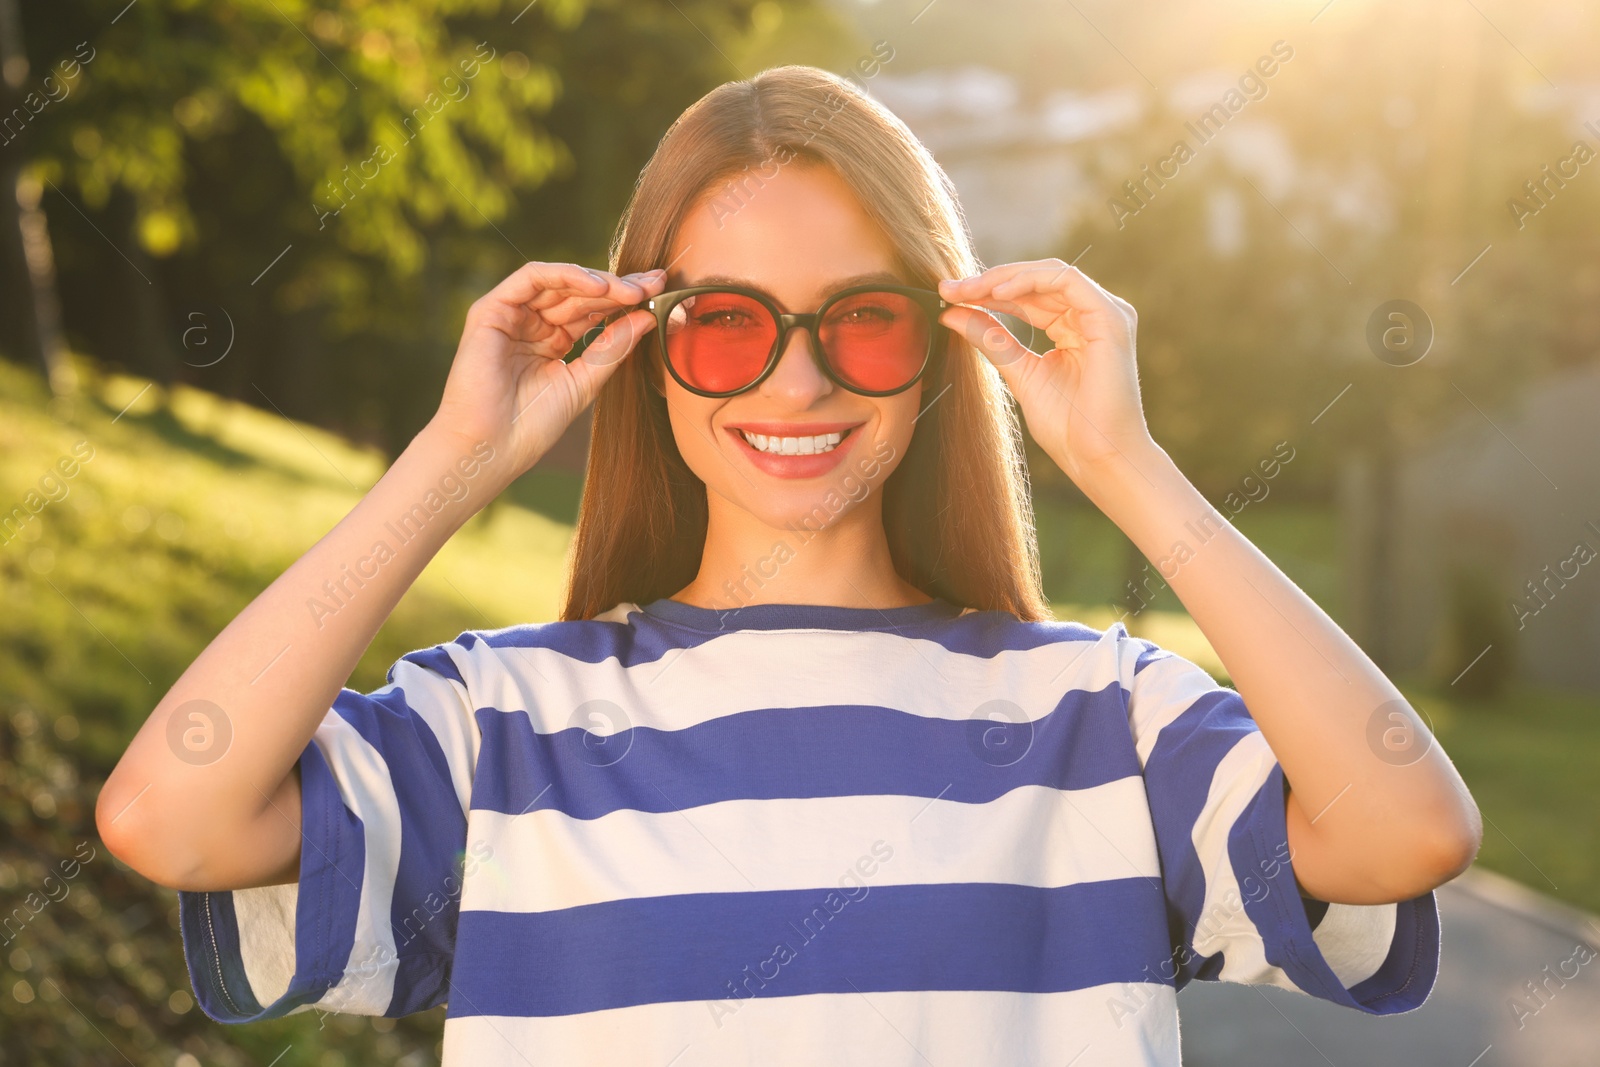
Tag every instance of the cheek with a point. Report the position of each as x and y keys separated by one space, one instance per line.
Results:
x=872 y=461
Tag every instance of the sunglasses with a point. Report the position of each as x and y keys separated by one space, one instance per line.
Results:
x=723 y=340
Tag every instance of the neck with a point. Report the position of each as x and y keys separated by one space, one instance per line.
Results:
x=844 y=564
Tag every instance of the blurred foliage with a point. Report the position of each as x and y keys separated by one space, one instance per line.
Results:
x=401 y=155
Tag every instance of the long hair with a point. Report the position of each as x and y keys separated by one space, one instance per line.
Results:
x=956 y=511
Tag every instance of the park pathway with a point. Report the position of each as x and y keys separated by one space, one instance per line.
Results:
x=1497 y=937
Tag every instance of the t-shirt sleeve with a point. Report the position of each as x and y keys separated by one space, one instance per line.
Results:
x=1217 y=796
x=369 y=928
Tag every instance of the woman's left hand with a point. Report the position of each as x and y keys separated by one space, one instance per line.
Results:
x=1080 y=399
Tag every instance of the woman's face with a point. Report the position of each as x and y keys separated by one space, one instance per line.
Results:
x=799 y=237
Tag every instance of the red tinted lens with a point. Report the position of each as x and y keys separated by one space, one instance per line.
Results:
x=875 y=341
x=719 y=342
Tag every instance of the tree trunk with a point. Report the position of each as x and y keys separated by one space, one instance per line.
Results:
x=1381 y=598
x=23 y=228
x=1367 y=499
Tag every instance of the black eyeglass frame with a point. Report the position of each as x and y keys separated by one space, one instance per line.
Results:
x=929 y=300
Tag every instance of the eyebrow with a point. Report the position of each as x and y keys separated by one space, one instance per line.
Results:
x=877 y=277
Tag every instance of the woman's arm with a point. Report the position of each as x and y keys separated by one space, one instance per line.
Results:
x=203 y=816
x=1362 y=830
x=211 y=801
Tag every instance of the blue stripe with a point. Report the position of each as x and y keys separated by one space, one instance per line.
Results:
x=1412 y=965
x=332 y=863
x=1178 y=775
x=1149 y=654
x=985 y=634
x=588 y=641
x=722 y=946
x=209 y=928
x=435 y=659
x=433 y=834
x=831 y=751
x=980 y=633
x=804 y=616
x=668 y=626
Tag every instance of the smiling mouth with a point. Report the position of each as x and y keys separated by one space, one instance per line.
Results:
x=810 y=445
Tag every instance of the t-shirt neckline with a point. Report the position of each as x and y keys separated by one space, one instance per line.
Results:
x=799 y=616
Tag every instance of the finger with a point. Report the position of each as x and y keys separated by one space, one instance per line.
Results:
x=985 y=333
x=530 y=279
x=985 y=281
x=616 y=341
x=584 y=311
x=1096 y=313
x=1068 y=281
x=577 y=315
x=1032 y=312
x=622 y=291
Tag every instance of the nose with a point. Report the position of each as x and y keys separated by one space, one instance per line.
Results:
x=797 y=381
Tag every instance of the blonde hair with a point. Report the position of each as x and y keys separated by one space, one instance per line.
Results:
x=956 y=511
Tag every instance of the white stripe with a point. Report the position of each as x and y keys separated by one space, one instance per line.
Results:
x=619 y=613
x=1355 y=939
x=1166 y=688
x=763 y=668
x=366 y=788
x=265 y=915
x=1116 y=1024
x=545 y=860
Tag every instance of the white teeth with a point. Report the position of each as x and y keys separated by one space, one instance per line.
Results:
x=793 y=446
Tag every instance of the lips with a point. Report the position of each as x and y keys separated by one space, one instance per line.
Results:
x=794 y=450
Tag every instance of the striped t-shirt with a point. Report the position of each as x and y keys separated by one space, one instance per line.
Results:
x=793 y=835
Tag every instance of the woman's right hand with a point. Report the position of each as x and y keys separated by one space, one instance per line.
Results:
x=508 y=385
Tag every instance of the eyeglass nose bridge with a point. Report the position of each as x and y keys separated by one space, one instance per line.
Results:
x=806 y=321
x=809 y=321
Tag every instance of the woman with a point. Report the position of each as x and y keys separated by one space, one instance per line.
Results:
x=849 y=794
